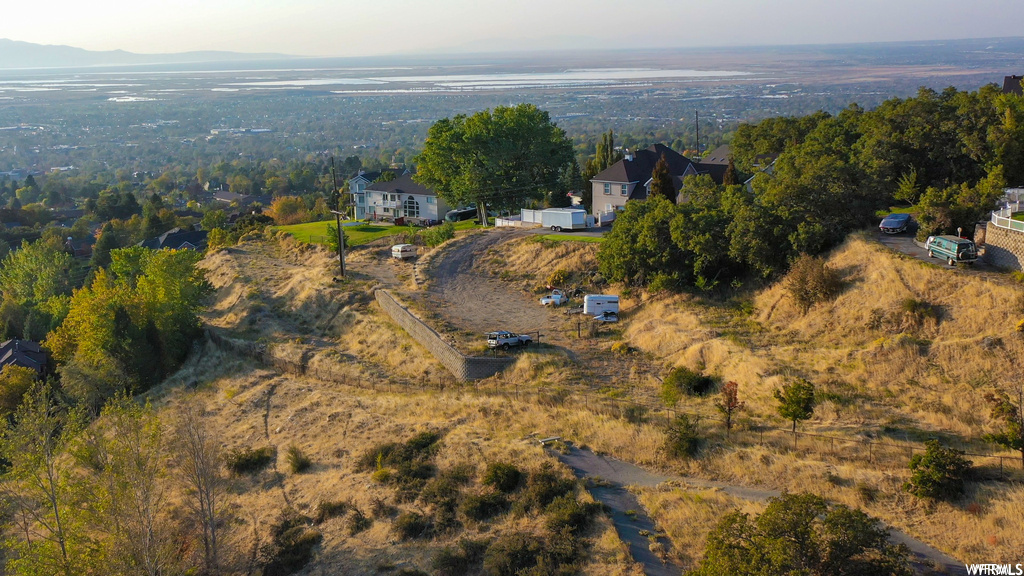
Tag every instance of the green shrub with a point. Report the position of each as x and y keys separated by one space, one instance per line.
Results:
x=292 y=545
x=512 y=554
x=297 y=461
x=635 y=414
x=682 y=439
x=558 y=277
x=811 y=281
x=485 y=506
x=357 y=522
x=938 y=473
x=438 y=235
x=503 y=476
x=682 y=381
x=543 y=486
x=451 y=561
x=250 y=460
x=330 y=509
x=565 y=512
x=411 y=525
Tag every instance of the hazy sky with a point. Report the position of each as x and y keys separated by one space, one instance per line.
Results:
x=347 y=27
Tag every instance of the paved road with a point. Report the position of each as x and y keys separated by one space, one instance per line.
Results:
x=619 y=474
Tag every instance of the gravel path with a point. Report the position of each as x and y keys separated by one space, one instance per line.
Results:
x=475 y=301
x=618 y=474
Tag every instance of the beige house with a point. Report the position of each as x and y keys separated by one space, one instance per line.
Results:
x=630 y=178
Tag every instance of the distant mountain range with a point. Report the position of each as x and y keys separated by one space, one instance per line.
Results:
x=15 y=54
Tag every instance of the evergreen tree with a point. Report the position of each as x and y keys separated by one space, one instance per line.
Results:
x=661 y=181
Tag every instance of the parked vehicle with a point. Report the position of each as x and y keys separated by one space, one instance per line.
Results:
x=952 y=249
x=597 y=304
x=505 y=340
x=894 y=223
x=607 y=316
x=556 y=298
x=460 y=214
x=558 y=219
x=403 y=251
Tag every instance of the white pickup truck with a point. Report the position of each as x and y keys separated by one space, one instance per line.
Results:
x=556 y=298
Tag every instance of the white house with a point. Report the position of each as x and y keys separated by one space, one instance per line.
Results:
x=357 y=188
x=403 y=198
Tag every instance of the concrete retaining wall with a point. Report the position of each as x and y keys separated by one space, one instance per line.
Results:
x=461 y=366
x=1003 y=247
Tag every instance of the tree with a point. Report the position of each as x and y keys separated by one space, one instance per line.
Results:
x=287 y=210
x=198 y=462
x=42 y=486
x=640 y=251
x=729 y=403
x=811 y=281
x=682 y=439
x=729 y=177
x=1012 y=419
x=661 y=181
x=15 y=382
x=801 y=534
x=938 y=473
x=498 y=158
x=796 y=401
x=214 y=219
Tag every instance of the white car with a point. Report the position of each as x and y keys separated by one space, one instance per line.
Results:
x=556 y=298
x=504 y=339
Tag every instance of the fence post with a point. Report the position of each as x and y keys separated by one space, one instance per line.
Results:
x=870 y=444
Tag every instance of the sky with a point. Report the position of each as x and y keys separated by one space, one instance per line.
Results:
x=371 y=27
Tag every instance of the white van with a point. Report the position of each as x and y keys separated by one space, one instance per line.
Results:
x=598 y=304
x=403 y=251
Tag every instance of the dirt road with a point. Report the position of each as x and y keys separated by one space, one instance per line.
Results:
x=477 y=302
x=617 y=473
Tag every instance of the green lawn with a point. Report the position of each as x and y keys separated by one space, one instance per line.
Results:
x=316 y=232
x=897 y=210
x=570 y=238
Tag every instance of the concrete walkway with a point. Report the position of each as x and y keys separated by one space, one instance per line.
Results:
x=619 y=474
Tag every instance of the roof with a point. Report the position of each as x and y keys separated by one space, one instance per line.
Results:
x=176 y=238
x=1011 y=85
x=719 y=155
x=24 y=353
x=371 y=176
x=401 y=185
x=716 y=171
x=639 y=169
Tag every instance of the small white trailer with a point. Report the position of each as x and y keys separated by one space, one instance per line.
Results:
x=598 y=304
x=558 y=219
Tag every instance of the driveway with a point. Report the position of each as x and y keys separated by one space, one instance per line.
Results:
x=617 y=473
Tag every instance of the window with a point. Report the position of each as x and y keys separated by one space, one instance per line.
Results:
x=411 y=207
x=625 y=189
x=431 y=200
x=607 y=188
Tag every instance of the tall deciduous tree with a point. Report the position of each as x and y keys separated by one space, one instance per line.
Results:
x=198 y=461
x=42 y=486
x=496 y=158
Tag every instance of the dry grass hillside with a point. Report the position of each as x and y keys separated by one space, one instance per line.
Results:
x=282 y=294
x=906 y=352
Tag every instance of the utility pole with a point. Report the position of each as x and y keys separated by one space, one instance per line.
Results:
x=337 y=218
x=696 y=122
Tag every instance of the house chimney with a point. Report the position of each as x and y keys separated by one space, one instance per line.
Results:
x=628 y=155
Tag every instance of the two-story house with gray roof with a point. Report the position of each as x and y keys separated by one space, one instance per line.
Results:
x=630 y=178
x=403 y=198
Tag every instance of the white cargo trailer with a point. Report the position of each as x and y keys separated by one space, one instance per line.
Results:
x=598 y=304
x=558 y=219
